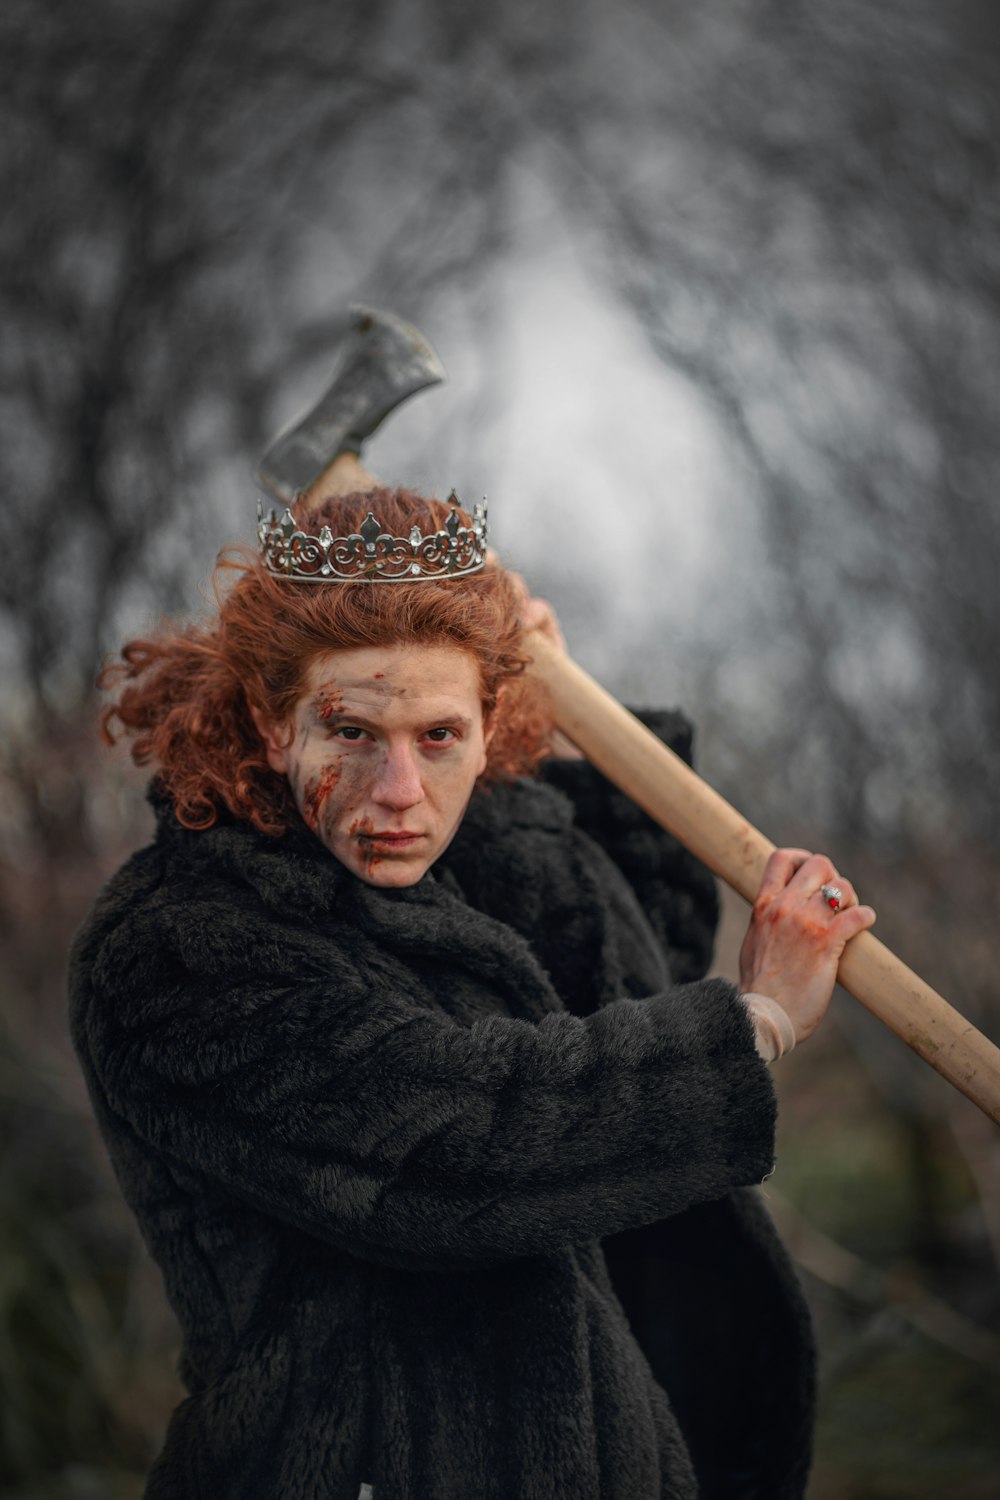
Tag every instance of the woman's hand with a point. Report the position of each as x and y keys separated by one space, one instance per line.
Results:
x=535 y=614
x=794 y=942
x=538 y=614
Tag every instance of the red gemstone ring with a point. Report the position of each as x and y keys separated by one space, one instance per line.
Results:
x=832 y=895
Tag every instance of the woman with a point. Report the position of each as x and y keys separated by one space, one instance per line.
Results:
x=397 y=1039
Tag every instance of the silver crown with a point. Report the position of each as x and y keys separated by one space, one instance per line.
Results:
x=371 y=554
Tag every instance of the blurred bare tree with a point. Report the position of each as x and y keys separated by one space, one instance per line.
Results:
x=797 y=203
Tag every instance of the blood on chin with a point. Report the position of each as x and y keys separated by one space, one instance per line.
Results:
x=364 y=853
x=368 y=858
x=372 y=855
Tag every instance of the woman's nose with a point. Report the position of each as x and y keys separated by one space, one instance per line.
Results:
x=398 y=783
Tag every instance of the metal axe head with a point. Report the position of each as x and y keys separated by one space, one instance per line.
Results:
x=382 y=361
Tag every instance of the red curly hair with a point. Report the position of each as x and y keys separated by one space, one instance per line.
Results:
x=187 y=691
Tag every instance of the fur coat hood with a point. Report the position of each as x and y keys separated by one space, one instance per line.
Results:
x=450 y=1185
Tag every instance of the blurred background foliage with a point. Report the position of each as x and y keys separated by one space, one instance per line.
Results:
x=717 y=289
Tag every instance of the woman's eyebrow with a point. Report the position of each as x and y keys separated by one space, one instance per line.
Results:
x=325 y=714
x=336 y=717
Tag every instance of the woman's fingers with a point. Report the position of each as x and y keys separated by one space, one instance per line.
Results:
x=854 y=920
x=778 y=871
x=797 y=872
x=816 y=871
x=818 y=881
x=848 y=895
x=537 y=614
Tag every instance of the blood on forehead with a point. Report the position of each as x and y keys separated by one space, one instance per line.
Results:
x=327 y=700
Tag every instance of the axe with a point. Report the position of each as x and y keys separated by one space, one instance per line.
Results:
x=383 y=360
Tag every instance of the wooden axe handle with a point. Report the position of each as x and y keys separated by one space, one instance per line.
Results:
x=343 y=476
x=633 y=758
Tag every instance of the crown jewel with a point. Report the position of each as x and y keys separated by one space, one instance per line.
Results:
x=371 y=554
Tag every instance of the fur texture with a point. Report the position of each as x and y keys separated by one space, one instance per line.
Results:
x=448 y=1184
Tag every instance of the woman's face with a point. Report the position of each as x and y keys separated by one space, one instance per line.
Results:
x=386 y=745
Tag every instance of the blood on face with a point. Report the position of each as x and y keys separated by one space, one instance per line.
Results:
x=329 y=700
x=317 y=789
x=367 y=857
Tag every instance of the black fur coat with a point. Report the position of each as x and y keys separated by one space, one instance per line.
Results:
x=451 y=1186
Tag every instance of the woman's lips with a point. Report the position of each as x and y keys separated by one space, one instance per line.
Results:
x=390 y=841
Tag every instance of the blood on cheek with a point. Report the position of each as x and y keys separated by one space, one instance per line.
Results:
x=350 y=778
x=317 y=789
